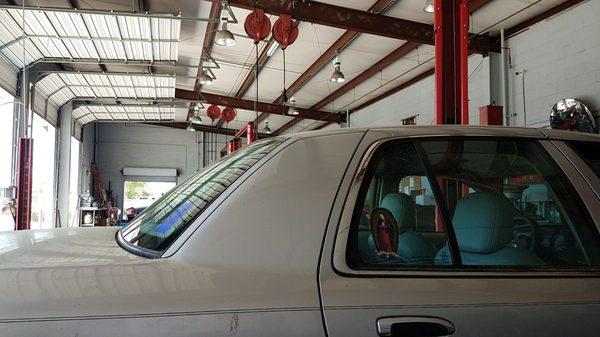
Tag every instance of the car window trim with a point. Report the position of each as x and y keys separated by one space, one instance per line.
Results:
x=580 y=164
x=440 y=202
x=342 y=268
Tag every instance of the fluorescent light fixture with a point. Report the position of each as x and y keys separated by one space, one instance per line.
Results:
x=272 y=49
x=149 y=172
x=429 y=7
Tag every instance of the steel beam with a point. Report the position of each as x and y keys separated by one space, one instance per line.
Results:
x=250 y=77
x=394 y=56
x=474 y=5
x=325 y=58
x=540 y=17
x=244 y=104
x=117 y=62
x=169 y=16
x=512 y=31
x=204 y=128
x=359 y=21
x=207 y=45
x=396 y=89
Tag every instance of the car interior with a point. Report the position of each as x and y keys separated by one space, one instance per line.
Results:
x=507 y=207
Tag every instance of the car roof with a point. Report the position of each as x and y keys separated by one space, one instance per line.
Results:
x=457 y=131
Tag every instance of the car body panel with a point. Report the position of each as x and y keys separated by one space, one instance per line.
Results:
x=259 y=262
x=478 y=303
x=249 y=269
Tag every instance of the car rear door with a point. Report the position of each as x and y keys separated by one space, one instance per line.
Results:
x=541 y=293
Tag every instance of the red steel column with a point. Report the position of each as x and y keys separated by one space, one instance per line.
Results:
x=451 y=25
x=250 y=134
x=464 y=61
x=25 y=172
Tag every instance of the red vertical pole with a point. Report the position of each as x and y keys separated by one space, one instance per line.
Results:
x=464 y=61
x=25 y=172
x=250 y=134
x=438 y=30
x=451 y=28
x=230 y=147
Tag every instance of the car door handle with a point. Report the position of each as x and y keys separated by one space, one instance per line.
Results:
x=414 y=326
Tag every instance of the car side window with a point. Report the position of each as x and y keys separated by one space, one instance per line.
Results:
x=506 y=202
x=396 y=221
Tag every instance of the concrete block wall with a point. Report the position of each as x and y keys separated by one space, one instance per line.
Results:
x=561 y=57
x=138 y=145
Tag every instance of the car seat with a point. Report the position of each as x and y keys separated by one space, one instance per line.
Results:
x=483 y=224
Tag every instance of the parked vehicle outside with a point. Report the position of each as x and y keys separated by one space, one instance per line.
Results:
x=426 y=231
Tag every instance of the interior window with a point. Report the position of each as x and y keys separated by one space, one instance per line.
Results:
x=507 y=202
x=519 y=209
x=395 y=221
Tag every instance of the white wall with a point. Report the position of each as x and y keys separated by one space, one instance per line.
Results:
x=138 y=145
x=418 y=99
x=561 y=57
x=8 y=77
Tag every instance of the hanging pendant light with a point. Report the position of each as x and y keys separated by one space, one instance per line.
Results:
x=224 y=37
x=429 y=7
x=196 y=119
x=293 y=111
x=267 y=128
x=205 y=79
x=190 y=128
x=337 y=76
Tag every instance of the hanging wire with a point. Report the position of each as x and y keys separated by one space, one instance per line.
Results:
x=285 y=98
x=256 y=101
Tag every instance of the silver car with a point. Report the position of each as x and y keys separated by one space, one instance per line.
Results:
x=413 y=231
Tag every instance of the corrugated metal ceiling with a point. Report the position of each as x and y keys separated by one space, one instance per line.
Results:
x=71 y=35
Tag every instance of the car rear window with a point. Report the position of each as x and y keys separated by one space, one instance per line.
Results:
x=163 y=221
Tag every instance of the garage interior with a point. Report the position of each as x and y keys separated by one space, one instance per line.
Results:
x=105 y=105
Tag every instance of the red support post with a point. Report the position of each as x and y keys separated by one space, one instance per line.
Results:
x=230 y=147
x=249 y=132
x=25 y=172
x=464 y=61
x=451 y=29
